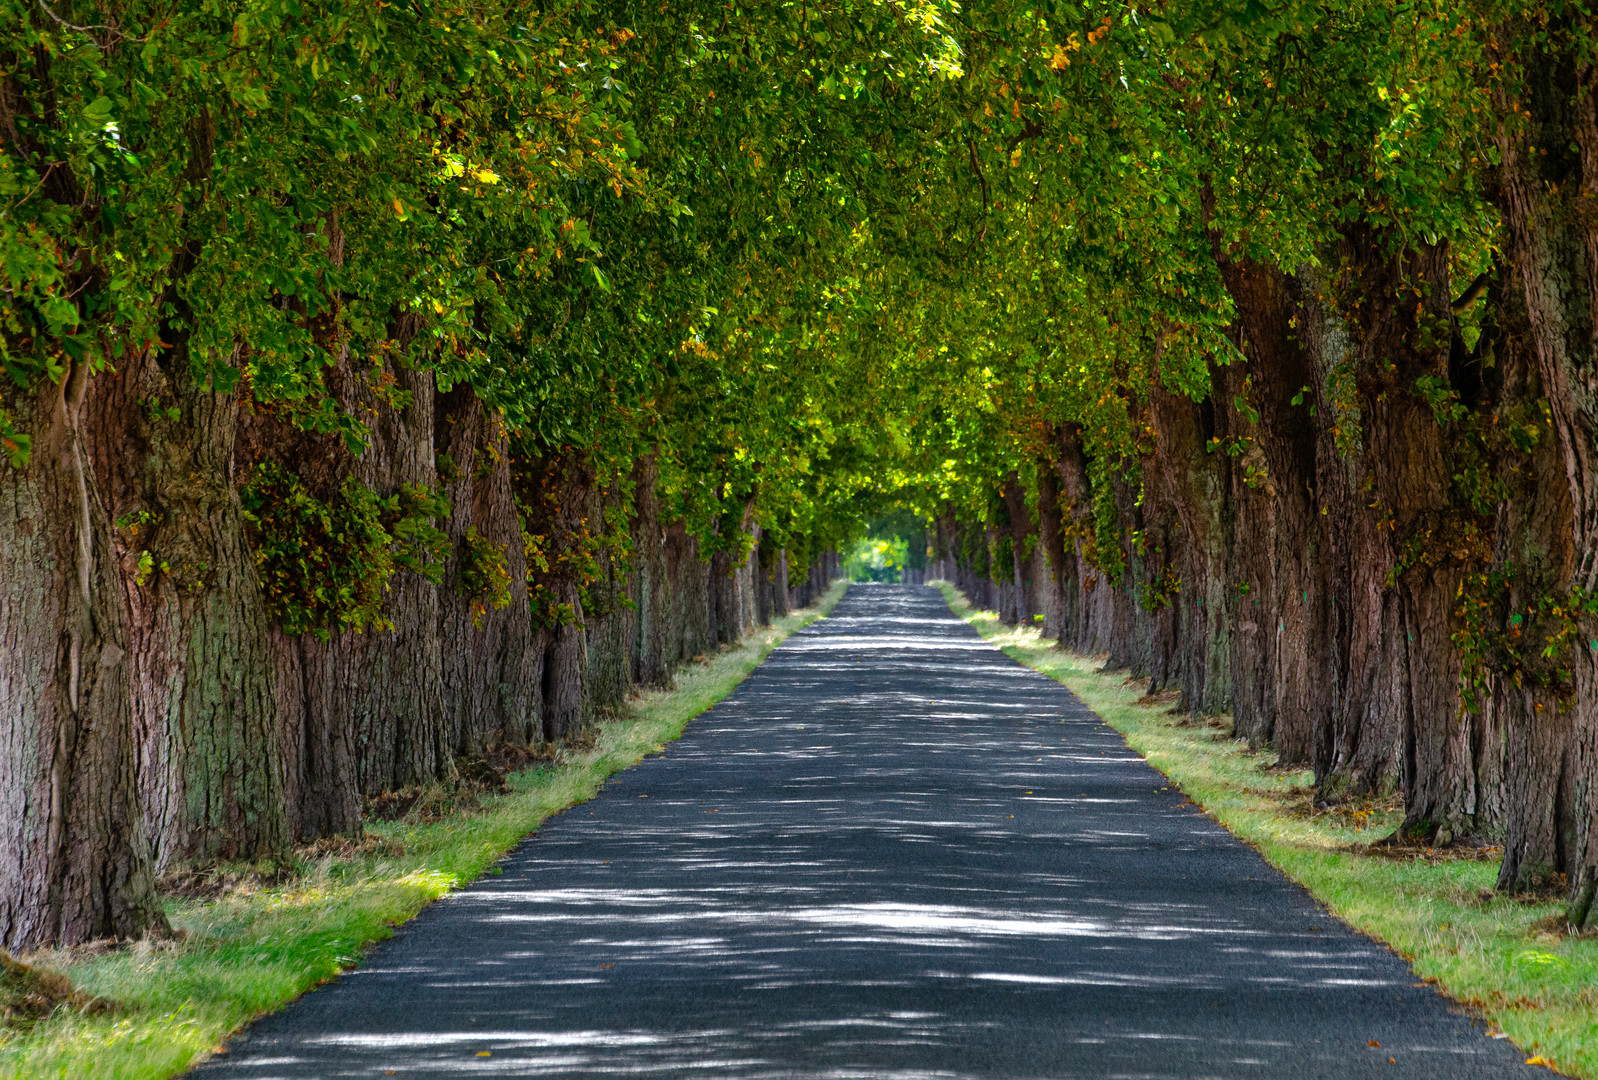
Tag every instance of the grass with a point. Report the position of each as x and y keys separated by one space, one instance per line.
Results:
x=258 y=948
x=1504 y=957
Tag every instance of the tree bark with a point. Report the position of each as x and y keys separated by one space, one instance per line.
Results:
x=748 y=603
x=1285 y=603
x=1547 y=195
x=210 y=757
x=1415 y=529
x=1197 y=487
x=557 y=492
x=654 y=653
x=1521 y=692
x=322 y=780
x=608 y=622
x=316 y=735
x=1249 y=588
x=486 y=655
x=692 y=598
x=77 y=863
x=390 y=682
x=1052 y=545
x=1021 y=536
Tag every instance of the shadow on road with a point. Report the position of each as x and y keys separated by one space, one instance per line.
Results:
x=892 y=853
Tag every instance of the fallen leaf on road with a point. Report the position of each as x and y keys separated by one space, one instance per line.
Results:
x=1373 y=1042
x=485 y=1053
x=1540 y=1060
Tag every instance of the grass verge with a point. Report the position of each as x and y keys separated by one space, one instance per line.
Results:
x=1504 y=957
x=256 y=949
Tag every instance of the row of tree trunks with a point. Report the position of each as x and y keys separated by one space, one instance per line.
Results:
x=822 y=571
x=1303 y=543
x=161 y=717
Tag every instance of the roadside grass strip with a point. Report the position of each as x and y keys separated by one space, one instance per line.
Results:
x=1506 y=958
x=257 y=948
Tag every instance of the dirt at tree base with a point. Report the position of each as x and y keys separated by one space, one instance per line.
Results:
x=29 y=994
x=487 y=773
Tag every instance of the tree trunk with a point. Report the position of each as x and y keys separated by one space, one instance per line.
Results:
x=1286 y=600
x=315 y=734
x=779 y=584
x=1357 y=751
x=1523 y=693
x=1249 y=588
x=1129 y=644
x=1077 y=522
x=211 y=763
x=322 y=780
x=748 y=613
x=390 y=683
x=609 y=625
x=692 y=601
x=557 y=492
x=1161 y=582
x=1197 y=487
x=1052 y=545
x=1414 y=532
x=565 y=663
x=1548 y=191
x=1021 y=545
x=486 y=655
x=724 y=596
x=654 y=651
x=78 y=863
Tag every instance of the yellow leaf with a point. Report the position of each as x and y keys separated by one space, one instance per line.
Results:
x=399 y=209
x=487 y=176
x=1540 y=1060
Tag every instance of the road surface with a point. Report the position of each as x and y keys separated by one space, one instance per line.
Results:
x=892 y=853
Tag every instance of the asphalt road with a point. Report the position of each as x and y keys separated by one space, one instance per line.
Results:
x=893 y=853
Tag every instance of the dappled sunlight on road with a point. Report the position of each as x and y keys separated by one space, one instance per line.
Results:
x=893 y=853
